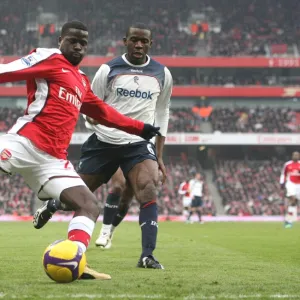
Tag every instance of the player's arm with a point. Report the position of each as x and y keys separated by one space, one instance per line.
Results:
x=38 y=64
x=283 y=176
x=106 y=115
x=180 y=190
x=162 y=119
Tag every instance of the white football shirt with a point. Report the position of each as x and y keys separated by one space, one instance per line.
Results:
x=141 y=92
x=196 y=187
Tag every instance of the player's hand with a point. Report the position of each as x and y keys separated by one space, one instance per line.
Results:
x=163 y=170
x=91 y=121
x=149 y=132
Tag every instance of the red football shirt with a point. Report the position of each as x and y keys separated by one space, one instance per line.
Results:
x=57 y=92
x=291 y=172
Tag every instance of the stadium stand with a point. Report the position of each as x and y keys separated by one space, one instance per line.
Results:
x=228 y=28
x=250 y=187
x=260 y=119
x=16 y=198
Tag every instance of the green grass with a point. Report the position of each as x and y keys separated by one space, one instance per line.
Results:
x=211 y=261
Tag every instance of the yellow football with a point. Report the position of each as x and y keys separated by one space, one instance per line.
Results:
x=64 y=261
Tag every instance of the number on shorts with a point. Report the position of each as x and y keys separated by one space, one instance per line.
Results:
x=149 y=146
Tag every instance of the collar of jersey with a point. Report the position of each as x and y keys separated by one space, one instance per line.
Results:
x=136 y=66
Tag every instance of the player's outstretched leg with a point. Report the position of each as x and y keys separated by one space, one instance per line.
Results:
x=46 y=211
x=143 y=178
x=111 y=206
x=81 y=227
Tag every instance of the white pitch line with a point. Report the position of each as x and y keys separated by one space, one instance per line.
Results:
x=254 y=296
x=135 y=296
x=85 y=296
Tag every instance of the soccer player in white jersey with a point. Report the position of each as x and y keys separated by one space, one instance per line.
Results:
x=196 y=193
x=290 y=180
x=139 y=87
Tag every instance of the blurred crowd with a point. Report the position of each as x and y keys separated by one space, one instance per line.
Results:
x=180 y=27
x=248 y=26
x=260 y=119
x=183 y=119
x=250 y=187
x=16 y=198
x=107 y=23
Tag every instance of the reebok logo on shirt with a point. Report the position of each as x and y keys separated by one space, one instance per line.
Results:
x=134 y=93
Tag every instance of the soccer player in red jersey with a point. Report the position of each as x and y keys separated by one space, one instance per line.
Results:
x=290 y=180
x=184 y=190
x=36 y=146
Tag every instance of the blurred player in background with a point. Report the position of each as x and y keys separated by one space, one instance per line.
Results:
x=140 y=87
x=36 y=146
x=290 y=180
x=196 y=193
x=184 y=190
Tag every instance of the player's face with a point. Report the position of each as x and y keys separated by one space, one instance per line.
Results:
x=296 y=156
x=73 y=45
x=138 y=42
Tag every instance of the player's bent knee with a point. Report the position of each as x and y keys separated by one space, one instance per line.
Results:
x=147 y=190
x=81 y=200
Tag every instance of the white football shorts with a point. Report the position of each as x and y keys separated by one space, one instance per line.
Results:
x=46 y=175
x=292 y=189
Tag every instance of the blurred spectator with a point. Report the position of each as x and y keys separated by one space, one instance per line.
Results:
x=8 y=116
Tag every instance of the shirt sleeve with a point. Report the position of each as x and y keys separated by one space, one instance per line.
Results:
x=180 y=190
x=163 y=104
x=283 y=174
x=106 y=115
x=99 y=85
x=38 y=64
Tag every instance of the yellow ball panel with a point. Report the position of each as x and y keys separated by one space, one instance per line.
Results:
x=59 y=274
x=64 y=250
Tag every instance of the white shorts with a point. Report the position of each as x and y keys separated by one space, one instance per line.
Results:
x=19 y=155
x=292 y=189
x=187 y=201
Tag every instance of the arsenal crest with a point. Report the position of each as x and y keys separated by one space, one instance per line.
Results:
x=5 y=154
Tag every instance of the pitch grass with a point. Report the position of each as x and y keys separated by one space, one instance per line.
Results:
x=210 y=261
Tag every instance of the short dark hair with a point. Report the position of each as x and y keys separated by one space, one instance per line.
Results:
x=72 y=24
x=139 y=26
